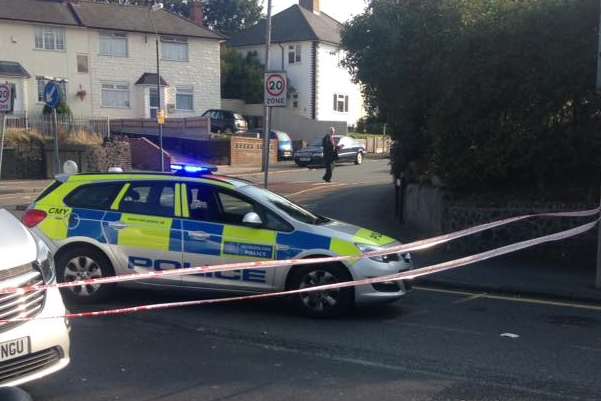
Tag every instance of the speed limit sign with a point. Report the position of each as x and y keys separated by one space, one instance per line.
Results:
x=276 y=89
x=5 y=98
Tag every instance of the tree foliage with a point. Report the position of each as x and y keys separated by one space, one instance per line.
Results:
x=241 y=76
x=484 y=93
x=226 y=16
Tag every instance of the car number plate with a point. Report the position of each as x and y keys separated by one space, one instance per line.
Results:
x=14 y=348
x=304 y=159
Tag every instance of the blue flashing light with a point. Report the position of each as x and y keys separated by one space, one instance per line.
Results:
x=189 y=169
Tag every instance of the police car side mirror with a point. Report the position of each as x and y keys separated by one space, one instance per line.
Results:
x=252 y=219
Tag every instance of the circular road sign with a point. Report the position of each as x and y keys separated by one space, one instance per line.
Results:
x=275 y=84
x=5 y=99
x=52 y=95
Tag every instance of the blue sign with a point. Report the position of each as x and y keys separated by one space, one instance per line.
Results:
x=52 y=95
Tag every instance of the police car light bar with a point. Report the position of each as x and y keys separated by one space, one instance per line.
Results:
x=191 y=169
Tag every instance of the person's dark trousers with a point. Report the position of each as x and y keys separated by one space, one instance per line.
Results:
x=329 y=170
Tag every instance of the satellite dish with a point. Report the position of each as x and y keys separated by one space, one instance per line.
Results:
x=70 y=167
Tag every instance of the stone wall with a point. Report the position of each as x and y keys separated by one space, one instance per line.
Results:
x=433 y=211
x=145 y=155
x=23 y=161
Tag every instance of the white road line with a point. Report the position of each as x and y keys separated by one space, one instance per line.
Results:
x=585 y=348
x=469 y=298
x=525 y=300
x=314 y=189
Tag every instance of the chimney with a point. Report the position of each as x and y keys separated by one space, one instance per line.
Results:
x=197 y=13
x=311 y=5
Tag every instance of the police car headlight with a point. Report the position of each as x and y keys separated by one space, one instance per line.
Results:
x=365 y=248
x=44 y=263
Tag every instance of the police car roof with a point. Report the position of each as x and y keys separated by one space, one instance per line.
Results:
x=154 y=175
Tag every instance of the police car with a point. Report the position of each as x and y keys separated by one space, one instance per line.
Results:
x=120 y=223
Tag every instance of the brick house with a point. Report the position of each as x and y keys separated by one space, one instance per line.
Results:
x=105 y=54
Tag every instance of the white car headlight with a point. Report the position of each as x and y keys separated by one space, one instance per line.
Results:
x=393 y=257
x=45 y=263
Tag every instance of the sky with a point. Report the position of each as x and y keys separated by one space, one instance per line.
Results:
x=342 y=10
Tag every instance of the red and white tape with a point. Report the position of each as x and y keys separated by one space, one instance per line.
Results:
x=406 y=275
x=402 y=248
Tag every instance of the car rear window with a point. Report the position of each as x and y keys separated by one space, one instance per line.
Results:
x=50 y=188
x=94 y=196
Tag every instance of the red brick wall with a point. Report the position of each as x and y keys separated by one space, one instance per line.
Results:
x=145 y=155
x=248 y=152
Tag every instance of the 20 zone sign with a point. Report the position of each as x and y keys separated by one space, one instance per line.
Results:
x=276 y=89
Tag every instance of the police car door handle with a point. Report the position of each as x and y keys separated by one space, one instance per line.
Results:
x=199 y=235
x=117 y=225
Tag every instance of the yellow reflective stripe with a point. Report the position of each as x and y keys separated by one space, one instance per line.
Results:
x=344 y=248
x=250 y=236
x=178 y=200
x=368 y=237
x=185 y=203
x=56 y=224
x=78 y=179
x=145 y=232
x=117 y=202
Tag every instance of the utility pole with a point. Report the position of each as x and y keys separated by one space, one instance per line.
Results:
x=266 y=116
x=598 y=274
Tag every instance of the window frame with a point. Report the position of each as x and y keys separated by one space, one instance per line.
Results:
x=118 y=187
x=115 y=88
x=177 y=40
x=295 y=53
x=259 y=208
x=188 y=91
x=154 y=206
x=41 y=35
x=113 y=35
x=341 y=103
x=87 y=58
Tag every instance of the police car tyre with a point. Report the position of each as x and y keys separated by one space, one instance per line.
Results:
x=84 y=263
x=325 y=303
x=359 y=158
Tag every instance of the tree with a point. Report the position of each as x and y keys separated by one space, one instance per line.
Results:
x=241 y=76
x=485 y=94
x=226 y=16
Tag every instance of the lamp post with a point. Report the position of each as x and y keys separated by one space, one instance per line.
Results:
x=157 y=6
x=267 y=116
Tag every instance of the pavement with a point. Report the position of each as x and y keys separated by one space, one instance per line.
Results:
x=435 y=344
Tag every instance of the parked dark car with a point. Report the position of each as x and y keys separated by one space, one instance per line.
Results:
x=349 y=151
x=284 y=142
x=226 y=122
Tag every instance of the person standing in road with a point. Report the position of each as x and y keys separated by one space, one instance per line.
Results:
x=330 y=153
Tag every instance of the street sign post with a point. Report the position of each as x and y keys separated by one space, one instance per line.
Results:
x=53 y=98
x=5 y=107
x=276 y=89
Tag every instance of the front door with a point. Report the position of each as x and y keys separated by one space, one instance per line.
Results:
x=214 y=234
x=145 y=227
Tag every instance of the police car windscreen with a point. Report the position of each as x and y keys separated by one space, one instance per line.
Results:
x=290 y=208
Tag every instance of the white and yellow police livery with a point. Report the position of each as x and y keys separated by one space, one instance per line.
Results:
x=118 y=223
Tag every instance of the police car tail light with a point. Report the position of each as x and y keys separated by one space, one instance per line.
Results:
x=33 y=217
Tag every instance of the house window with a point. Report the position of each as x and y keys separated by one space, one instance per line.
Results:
x=174 y=49
x=42 y=81
x=115 y=94
x=82 y=63
x=341 y=103
x=294 y=54
x=113 y=44
x=184 y=98
x=49 y=38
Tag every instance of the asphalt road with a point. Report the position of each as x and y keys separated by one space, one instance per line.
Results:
x=432 y=345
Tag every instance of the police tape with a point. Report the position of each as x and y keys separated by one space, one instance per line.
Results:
x=406 y=275
x=396 y=249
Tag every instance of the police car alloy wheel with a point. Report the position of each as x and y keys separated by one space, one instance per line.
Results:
x=82 y=264
x=322 y=303
x=359 y=158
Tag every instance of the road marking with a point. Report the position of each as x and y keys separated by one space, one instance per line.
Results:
x=584 y=348
x=469 y=298
x=514 y=299
x=315 y=189
x=441 y=328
